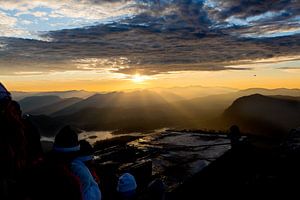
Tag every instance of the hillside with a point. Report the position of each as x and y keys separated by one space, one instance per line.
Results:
x=134 y=118
x=115 y=100
x=144 y=110
x=29 y=104
x=264 y=114
x=17 y=95
x=52 y=108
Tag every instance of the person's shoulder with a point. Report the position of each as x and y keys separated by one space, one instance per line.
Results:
x=78 y=166
x=77 y=162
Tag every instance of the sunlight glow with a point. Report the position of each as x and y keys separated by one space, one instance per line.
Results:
x=137 y=78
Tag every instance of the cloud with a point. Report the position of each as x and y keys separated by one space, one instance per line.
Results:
x=153 y=37
x=8 y=26
x=255 y=15
x=73 y=8
x=131 y=48
x=247 y=8
x=7 y=20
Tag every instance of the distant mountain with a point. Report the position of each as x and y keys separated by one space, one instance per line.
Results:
x=149 y=109
x=264 y=114
x=116 y=100
x=62 y=94
x=220 y=102
x=16 y=95
x=133 y=118
x=52 y=108
x=278 y=91
x=46 y=125
x=32 y=103
x=190 y=92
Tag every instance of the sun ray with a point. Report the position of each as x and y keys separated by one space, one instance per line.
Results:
x=137 y=78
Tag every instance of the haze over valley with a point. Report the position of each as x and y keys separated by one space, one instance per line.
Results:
x=267 y=112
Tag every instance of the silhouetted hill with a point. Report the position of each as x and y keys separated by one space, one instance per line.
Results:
x=62 y=94
x=278 y=91
x=219 y=102
x=286 y=97
x=31 y=103
x=195 y=91
x=264 y=114
x=147 y=109
x=46 y=125
x=49 y=109
x=115 y=100
x=132 y=119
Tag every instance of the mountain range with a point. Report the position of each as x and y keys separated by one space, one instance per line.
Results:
x=272 y=111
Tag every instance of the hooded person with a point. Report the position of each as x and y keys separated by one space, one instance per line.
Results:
x=80 y=168
x=127 y=186
x=86 y=155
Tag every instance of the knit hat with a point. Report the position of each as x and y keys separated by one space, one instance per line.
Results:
x=86 y=151
x=66 y=140
x=4 y=93
x=127 y=184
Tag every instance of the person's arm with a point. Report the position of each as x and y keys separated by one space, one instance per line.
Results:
x=89 y=187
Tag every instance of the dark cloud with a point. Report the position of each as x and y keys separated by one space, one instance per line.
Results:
x=168 y=36
x=248 y=8
x=255 y=15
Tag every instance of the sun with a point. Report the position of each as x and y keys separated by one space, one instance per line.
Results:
x=137 y=78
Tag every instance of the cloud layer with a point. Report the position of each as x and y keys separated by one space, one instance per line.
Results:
x=152 y=37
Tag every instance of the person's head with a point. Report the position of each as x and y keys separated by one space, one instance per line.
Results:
x=234 y=132
x=86 y=151
x=234 y=129
x=66 y=142
x=126 y=186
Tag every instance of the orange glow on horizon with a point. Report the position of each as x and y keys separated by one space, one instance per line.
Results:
x=261 y=76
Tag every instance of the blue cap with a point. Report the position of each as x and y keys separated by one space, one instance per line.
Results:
x=126 y=184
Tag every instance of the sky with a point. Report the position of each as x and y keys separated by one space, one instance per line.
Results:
x=107 y=45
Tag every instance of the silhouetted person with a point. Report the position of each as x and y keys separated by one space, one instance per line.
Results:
x=86 y=155
x=32 y=136
x=55 y=180
x=13 y=154
x=234 y=135
x=82 y=167
x=126 y=187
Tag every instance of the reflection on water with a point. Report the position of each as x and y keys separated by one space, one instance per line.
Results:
x=176 y=156
x=94 y=136
x=91 y=136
